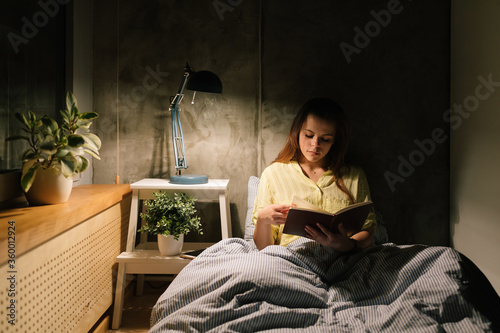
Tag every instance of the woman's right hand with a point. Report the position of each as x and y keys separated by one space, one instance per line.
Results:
x=273 y=214
x=267 y=216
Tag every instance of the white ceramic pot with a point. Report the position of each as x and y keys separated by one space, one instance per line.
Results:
x=169 y=246
x=49 y=187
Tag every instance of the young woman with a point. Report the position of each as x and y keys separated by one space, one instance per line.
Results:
x=311 y=166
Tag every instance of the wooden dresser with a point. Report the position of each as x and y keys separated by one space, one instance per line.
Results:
x=57 y=262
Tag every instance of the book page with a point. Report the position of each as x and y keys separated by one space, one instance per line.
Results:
x=303 y=204
x=364 y=203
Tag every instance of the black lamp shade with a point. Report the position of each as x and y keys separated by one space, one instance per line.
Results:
x=204 y=81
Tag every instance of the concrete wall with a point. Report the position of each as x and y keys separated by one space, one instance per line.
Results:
x=385 y=62
x=475 y=139
x=80 y=60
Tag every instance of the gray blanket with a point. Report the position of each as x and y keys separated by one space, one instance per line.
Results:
x=231 y=287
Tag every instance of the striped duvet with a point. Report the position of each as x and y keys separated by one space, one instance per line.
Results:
x=231 y=287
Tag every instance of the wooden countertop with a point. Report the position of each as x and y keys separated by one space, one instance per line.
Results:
x=35 y=225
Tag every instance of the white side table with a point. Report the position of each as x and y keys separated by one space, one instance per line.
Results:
x=146 y=258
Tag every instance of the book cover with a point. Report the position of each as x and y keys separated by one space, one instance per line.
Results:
x=191 y=254
x=304 y=213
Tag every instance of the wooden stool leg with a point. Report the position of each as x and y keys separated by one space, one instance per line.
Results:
x=120 y=292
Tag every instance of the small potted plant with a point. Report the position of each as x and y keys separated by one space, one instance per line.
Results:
x=170 y=217
x=55 y=153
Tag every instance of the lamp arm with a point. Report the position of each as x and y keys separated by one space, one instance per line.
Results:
x=177 y=135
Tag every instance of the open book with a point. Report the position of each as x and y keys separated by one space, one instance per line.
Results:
x=304 y=213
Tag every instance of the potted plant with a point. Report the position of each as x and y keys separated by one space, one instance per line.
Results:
x=170 y=217
x=55 y=153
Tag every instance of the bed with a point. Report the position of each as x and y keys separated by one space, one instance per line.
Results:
x=304 y=287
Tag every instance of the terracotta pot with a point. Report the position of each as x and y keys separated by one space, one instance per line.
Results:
x=49 y=188
x=169 y=246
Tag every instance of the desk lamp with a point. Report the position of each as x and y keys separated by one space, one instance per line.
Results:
x=203 y=81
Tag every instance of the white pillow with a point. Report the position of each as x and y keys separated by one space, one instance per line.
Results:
x=253 y=184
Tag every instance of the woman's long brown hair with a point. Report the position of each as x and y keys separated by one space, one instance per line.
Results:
x=328 y=110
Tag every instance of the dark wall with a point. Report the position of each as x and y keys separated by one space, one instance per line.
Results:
x=385 y=62
x=32 y=69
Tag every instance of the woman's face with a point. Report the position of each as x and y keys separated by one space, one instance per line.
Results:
x=316 y=137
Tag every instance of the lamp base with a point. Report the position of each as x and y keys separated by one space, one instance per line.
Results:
x=189 y=179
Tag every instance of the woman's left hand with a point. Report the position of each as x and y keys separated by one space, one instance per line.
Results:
x=337 y=241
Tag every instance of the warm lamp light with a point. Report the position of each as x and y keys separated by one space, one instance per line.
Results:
x=203 y=81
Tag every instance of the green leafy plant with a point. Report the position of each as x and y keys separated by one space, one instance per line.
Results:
x=166 y=215
x=59 y=147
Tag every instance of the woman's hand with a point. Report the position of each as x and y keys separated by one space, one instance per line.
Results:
x=267 y=216
x=273 y=214
x=337 y=241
